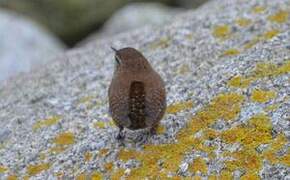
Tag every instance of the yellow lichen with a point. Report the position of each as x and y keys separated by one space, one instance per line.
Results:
x=42 y=156
x=243 y=22
x=261 y=122
x=59 y=175
x=226 y=175
x=250 y=176
x=279 y=17
x=262 y=96
x=86 y=99
x=111 y=123
x=270 y=34
x=90 y=102
x=270 y=156
x=210 y=134
x=108 y=166
x=257 y=132
x=167 y=153
x=231 y=52
x=278 y=142
x=96 y=176
x=12 y=177
x=285 y=159
x=183 y=69
x=284 y=68
x=57 y=149
x=233 y=135
x=272 y=107
x=221 y=31
x=87 y=156
x=223 y=106
x=258 y=9
x=198 y=164
x=1 y=146
x=269 y=69
x=161 y=130
x=46 y=122
x=100 y=124
x=65 y=138
x=33 y=170
x=262 y=37
x=103 y=152
x=3 y=169
x=197 y=178
x=255 y=138
x=189 y=36
x=213 y=177
x=147 y=174
x=226 y=106
x=240 y=82
x=264 y=69
x=163 y=42
x=246 y=159
x=118 y=174
x=251 y=43
x=82 y=176
x=126 y=154
x=251 y=135
x=156 y=160
x=179 y=106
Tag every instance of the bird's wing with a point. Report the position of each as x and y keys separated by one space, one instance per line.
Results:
x=155 y=105
x=119 y=106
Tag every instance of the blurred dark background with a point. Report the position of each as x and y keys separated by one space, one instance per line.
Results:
x=33 y=32
x=73 y=20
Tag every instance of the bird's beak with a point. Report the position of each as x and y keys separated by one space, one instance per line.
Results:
x=116 y=56
x=114 y=49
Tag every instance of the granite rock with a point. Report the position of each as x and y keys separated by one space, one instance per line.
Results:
x=136 y=15
x=226 y=69
x=24 y=44
x=71 y=20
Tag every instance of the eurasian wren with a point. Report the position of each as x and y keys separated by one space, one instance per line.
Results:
x=137 y=96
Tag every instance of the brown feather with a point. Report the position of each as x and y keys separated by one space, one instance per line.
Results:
x=137 y=105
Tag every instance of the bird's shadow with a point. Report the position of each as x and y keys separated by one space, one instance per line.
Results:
x=134 y=138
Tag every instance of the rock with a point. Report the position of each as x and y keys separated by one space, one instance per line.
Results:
x=23 y=44
x=224 y=62
x=136 y=15
x=4 y=135
x=69 y=19
x=133 y=16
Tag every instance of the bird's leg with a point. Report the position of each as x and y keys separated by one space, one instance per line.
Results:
x=121 y=134
x=153 y=129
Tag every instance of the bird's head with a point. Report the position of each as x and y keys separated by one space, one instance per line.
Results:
x=129 y=59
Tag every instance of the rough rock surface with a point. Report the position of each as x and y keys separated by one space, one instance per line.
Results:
x=226 y=66
x=24 y=44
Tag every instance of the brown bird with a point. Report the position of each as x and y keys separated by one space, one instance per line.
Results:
x=137 y=96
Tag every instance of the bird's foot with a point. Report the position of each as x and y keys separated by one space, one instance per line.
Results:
x=121 y=135
x=153 y=130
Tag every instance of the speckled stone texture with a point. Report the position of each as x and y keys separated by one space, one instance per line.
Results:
x=226 y=66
